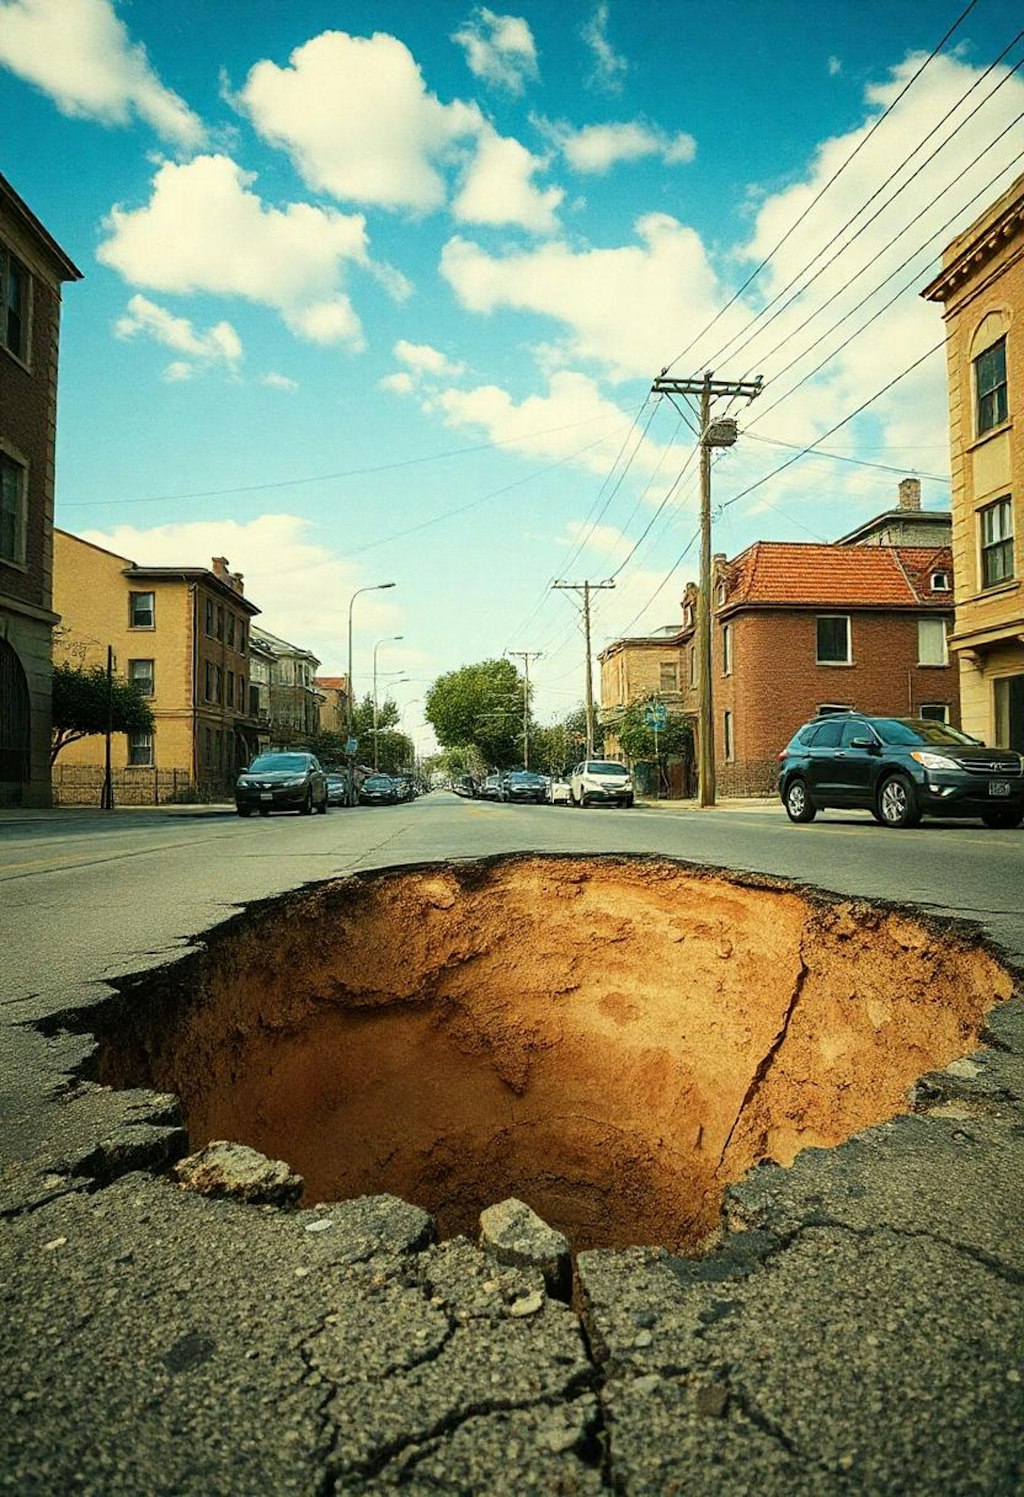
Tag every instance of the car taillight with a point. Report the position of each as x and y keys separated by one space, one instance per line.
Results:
x=782 y=756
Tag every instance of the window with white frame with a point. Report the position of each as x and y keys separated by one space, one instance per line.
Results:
x=931 y=642
x=668 y=675
x=13 y=487
x=141 y=610
x=140 y=674
x=936 y=712
x=140 y=749
x=996 y=527
x=728 y=742
x=15 y=284
x=990 y=387
x=833 y=631
x=726 y=649
x=941 y=582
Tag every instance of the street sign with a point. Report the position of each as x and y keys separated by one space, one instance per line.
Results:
x=656 y=716
x=351 y=744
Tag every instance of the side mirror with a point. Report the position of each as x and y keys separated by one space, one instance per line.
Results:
x=871 y=744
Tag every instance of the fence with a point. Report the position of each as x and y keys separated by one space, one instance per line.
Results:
x=82 y=785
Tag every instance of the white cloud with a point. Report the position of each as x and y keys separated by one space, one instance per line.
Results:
x=204 y=229
x=301 y=586
x=597 y=148
x=609 y=68
x=499 y=49
x=177 y=371
x=275 y=381
x=835 y=67
x=605 y=540
x=358 y=121
x=399 y=383
x=220 y=345
x=424 y=359
x=617 y=306
x=497 y=187
x=81 y=54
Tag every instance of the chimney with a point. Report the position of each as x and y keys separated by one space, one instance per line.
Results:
x=910 y=493
x=238 y=582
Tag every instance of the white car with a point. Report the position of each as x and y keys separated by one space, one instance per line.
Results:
x=559 y=793
x=600 y=781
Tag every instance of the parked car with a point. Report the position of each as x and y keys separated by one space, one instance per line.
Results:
x=524 y=785
x=465 y=785
x=601 y=781
x=337 y=789
x=281 y=782
x=491 y=787
x=378 y=790
x=404 y=786
x=899 y=769
x=559 y=791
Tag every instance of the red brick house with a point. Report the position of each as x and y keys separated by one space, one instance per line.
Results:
x=800 y=629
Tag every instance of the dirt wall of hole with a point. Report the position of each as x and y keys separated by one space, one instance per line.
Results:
x=612 y=1040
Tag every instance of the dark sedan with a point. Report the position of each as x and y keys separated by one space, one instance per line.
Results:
x=524 y=785
x=899 y=769
x=281 y=782
x=378 y=790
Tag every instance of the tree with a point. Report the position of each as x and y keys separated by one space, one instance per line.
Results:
x=556 y=747
x=83 y=705
x=638 y=740
x=395 y=750
x=480 y=705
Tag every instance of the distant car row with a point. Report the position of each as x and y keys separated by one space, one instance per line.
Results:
x=592 y=782
x=297 y=782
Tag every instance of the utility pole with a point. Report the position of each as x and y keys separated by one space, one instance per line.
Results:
x=526 y=656
x=718 y=433
x=585 y=589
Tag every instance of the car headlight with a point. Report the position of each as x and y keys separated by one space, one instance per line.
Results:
x=933 y=761
x=296 y=779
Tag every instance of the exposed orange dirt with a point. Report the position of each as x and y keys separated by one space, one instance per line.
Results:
x=611 y=1040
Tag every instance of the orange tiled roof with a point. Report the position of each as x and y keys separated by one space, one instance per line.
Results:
x=333 y=683
x=796 y=573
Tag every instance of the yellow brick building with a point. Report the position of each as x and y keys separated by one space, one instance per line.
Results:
x=182 y=635
x=981 y=289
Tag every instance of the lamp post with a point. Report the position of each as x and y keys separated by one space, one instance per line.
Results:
x=391 y=639
x=374 y=587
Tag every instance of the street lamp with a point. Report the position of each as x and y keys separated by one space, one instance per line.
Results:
x=391 y=639
x=374 y=587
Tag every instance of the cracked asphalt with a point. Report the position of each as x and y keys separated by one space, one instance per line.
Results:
x=858 y=1328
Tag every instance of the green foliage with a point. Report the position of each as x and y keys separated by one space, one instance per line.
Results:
x=554 y=749
x=83 y=703
x=460 y=759
x=638 y=740
x=328 y=746
x=480 y=706
x=395 y=751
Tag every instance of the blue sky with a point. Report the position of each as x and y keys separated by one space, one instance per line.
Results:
x=376 y=292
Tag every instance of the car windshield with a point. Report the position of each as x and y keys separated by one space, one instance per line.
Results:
x=335 y=779
x=377 y=781
x=264 y=763
x=603 y=766
x=891 y=730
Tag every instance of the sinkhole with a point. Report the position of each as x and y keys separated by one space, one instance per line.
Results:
x=610 y=1039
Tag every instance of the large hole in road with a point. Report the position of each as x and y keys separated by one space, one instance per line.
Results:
x=612 y=1040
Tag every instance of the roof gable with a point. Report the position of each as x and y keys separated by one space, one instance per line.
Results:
x=794 y=574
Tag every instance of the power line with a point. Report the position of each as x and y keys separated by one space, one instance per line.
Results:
x=842 y=457
x=820 y=194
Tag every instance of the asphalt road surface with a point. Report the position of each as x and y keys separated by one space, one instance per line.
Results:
x=860 y=1328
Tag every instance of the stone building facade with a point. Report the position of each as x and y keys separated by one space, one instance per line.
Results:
x=33 y=268
x=981 y=290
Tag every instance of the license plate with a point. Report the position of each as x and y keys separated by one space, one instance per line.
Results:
x=269 y=794
x=998 y=787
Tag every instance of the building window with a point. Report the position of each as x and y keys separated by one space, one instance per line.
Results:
x=140 y=674
x=12 y=510
x=14 y=293
x=935 y=712
x=720 y=594
x=241 y=636
x=241 y=694
x=726 y=649
x=941 y=582
x=141 y=610
x=231 y=630
x=231 y=688
x=833 y=639
x=693 y=665
x=990 y=386
x=668 y=676
x=207 y=746
x=996 y=543
x=218 y=686
x=209 y=618
x=220 y=622
x=218 y=748
x=931 y=642
x=140 y=748
x=728 y=744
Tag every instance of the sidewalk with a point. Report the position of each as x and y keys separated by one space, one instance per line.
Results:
x=23 y=815
x=733 y=803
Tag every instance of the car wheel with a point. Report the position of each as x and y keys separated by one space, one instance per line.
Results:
x=1002 y=820
x=306 y=809
x=897 y=804
x=244 y=810
x=264 y=810
x=627 y=802
x=799 y=806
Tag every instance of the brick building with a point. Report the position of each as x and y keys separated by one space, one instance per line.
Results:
x=800 y=629
x=293 y=700
x=32 y=269
x=334 y=705
x=981 y=290
x=182 y=635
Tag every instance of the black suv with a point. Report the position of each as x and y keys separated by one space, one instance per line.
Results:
x=899 y=769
